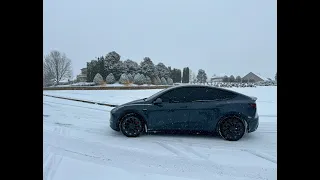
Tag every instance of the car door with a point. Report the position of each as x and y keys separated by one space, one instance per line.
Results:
x=176 y=109
x=160 y=116
x=203 y=109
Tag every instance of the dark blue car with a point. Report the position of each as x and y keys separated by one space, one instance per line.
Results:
x=189 y=108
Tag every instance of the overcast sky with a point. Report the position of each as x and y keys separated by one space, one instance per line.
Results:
x=219 y=36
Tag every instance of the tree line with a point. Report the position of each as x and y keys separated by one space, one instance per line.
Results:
x=111 y=69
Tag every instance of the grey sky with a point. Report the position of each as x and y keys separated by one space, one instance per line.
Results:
x=219 y=36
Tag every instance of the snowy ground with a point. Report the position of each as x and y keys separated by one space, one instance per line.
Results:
x=78 y=144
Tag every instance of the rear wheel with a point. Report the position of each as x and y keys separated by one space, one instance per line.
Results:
x=131 y=125
x=232 y=129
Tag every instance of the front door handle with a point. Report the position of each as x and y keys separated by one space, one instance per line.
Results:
x=183 y=106
x=170 y=110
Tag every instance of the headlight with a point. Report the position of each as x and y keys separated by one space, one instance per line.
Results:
x=115 y=109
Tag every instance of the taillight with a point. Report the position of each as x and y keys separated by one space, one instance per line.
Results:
x=253 y=105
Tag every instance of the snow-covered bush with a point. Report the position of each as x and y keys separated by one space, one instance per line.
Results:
x=124 y=79
x=163 y=81
x=98 y=79
x=170 y=81
x=156 y=80
x=110 y=79
x=138 y=79
x=148 y=80
x=143 y=79
x=130 y=77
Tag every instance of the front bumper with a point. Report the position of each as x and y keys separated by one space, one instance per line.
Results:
x=114 y=122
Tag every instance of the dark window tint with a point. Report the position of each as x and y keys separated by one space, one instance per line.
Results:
x=176 y=95
x=209 y=94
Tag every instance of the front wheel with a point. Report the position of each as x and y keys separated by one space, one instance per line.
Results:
x=131 y=125
x=232 y=129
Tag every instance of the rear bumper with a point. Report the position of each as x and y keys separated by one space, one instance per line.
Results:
x=253 y=124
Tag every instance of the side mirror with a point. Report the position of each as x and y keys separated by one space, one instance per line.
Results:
x=158 y=101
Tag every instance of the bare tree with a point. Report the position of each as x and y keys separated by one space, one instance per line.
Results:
x=57 y=66
x=48 y=76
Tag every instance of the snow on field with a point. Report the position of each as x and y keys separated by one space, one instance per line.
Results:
x=266 y=103
x=79 y=145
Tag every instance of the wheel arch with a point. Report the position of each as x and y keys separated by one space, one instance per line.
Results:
x=135 y=112
x=238 y=115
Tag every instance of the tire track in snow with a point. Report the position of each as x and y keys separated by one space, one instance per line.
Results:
x=190 y=149
x=171 y=149
x=75 y=106
x=52 y=161
x=80 y=100
x=261 y=155
x=182 y=151
x=61 y=130
x=72 y=127
x=51 y=166
x=46 y=153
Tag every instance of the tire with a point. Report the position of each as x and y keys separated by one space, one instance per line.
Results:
x=232 y=129
x=131 y=125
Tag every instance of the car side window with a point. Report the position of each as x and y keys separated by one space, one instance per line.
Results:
x=223 y=95
x=198 y=94
x=210 y=94
x=179 y=95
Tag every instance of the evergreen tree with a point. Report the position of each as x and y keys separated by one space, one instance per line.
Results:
x=170 y=81
x=225 y=79
x=170 y=71
x=176 y=75
x=110 y=79
x=131 y=66
x=147 y=67
x=238 y=79
x=100 y=67
x=232 y=79
x=148 y=80
x=162 y=70
x=138 y=79
x=92 y=70
x=185 y=75
x=124 y=79
x=156 y=80
x=202 y=76
x=98 y=79
x=111 y=64
x=163 y=81
x=130 y=77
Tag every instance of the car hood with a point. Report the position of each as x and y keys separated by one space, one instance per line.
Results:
x=139 y=101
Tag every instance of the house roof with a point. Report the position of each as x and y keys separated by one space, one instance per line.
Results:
x=257 y=74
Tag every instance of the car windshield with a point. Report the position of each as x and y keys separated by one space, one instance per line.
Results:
x=155 y=95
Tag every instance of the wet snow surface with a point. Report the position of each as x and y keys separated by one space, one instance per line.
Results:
x=79 y=144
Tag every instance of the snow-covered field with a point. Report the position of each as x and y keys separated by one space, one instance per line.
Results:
x=79 y=145
x=267 y=96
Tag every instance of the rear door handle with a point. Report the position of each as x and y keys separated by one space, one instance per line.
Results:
x=170 y=110
x=183 y=106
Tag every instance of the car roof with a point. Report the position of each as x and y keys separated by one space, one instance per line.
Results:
x=196 y=85
x=204 y=86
